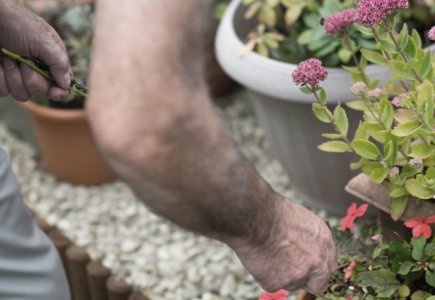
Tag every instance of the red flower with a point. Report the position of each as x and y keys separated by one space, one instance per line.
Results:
x=352 y=213
x=280 y=295
x=349 y=270
x=420 y=226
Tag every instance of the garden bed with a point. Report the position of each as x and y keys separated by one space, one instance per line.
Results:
x=149 y=253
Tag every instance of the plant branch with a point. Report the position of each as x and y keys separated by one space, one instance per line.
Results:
x=387 y=56
x=74 y=86
x=349 y=46
x=399 y=49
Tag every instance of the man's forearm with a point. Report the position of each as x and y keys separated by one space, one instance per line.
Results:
x=162 y=133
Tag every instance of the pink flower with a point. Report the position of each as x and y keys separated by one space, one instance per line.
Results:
x=416 y=162
x=371 y=12
x=397 y=101
x=358 y=88
x=349 y=270
x=339 y=21
x=394 y=171
x=420 y=226
x=374 y=93
x=309 y=72
x=279 y=295
x=352 y=213
x=431 y=33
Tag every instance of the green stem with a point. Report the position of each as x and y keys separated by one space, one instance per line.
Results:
x=41 y=72
x=332 y=120
x=399 y=49
x=387 y=56
x=347 y=43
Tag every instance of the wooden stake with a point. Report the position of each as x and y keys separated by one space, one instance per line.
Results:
x=97 y=277
x=77 y=259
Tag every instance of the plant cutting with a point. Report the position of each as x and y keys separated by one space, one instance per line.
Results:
x=395 y=139
x=65 y=141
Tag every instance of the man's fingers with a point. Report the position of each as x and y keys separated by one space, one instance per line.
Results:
x=36 y=85
x=4 y=91
x=318 y=281
x=14 y=80
x=56 y=58
x=57 y=94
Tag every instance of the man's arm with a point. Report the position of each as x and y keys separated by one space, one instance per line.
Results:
x=154 y=122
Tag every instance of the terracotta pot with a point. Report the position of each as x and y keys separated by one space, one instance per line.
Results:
x=302 y=295
x=377 y=194
x=66 y=145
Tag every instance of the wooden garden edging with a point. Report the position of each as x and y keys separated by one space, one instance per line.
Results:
x=88 y=279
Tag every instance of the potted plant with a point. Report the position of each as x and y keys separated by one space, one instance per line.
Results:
x=395 y=142
x=284 y=111
x=64 y=137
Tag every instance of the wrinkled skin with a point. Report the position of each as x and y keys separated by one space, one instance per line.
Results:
x=169 y=144
x=153 y=120
x=26 y=34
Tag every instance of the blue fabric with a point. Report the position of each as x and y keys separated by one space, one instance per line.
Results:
x=30 y=267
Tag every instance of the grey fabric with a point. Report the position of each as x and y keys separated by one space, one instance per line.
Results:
x=30 y=267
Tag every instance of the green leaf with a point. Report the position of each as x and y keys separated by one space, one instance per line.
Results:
x=344 y=54
x=322 y=113
x=366 y=149
x=390 y=152
x=293 y=14
x=418 y=247
x=417 y=189
x=378 y=250
x=422 y=150
x=340 y=119
x=378 y=175
x=357 y=105
x=335 y=146
x=383 y=281
x=333 y=136
x=425 y=65
x=400 y=68
x=305 y=37
x=406 y=128
x=386 y=113
x=397 y=191
x=323 y=97
x=267 y=15
x=405 y=267
x=397 y=207
x=425 y=94
x=429 y=250
x=373 y=56
x=403 y=291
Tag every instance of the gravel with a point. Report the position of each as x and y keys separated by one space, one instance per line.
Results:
x=157 y=257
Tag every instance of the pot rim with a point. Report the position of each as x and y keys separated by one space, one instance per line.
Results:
x=54 y=114
x=277 y=83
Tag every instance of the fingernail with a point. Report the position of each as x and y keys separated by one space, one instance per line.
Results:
x=66 y=80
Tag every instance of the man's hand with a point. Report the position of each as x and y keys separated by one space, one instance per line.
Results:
x=300 y=252
x=28 y=35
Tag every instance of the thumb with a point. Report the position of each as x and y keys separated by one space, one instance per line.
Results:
x=56 y=58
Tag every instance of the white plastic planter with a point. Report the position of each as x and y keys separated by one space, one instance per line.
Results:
x=285 y=114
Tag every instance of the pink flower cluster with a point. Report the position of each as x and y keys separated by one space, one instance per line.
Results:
x=339 y=21
x=431 y=33
x=397 y=100
x=309 y=72
x=371 y=12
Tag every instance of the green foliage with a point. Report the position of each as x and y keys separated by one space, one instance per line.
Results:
x=384 y=269
x=395 y=139
x=299 y=26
